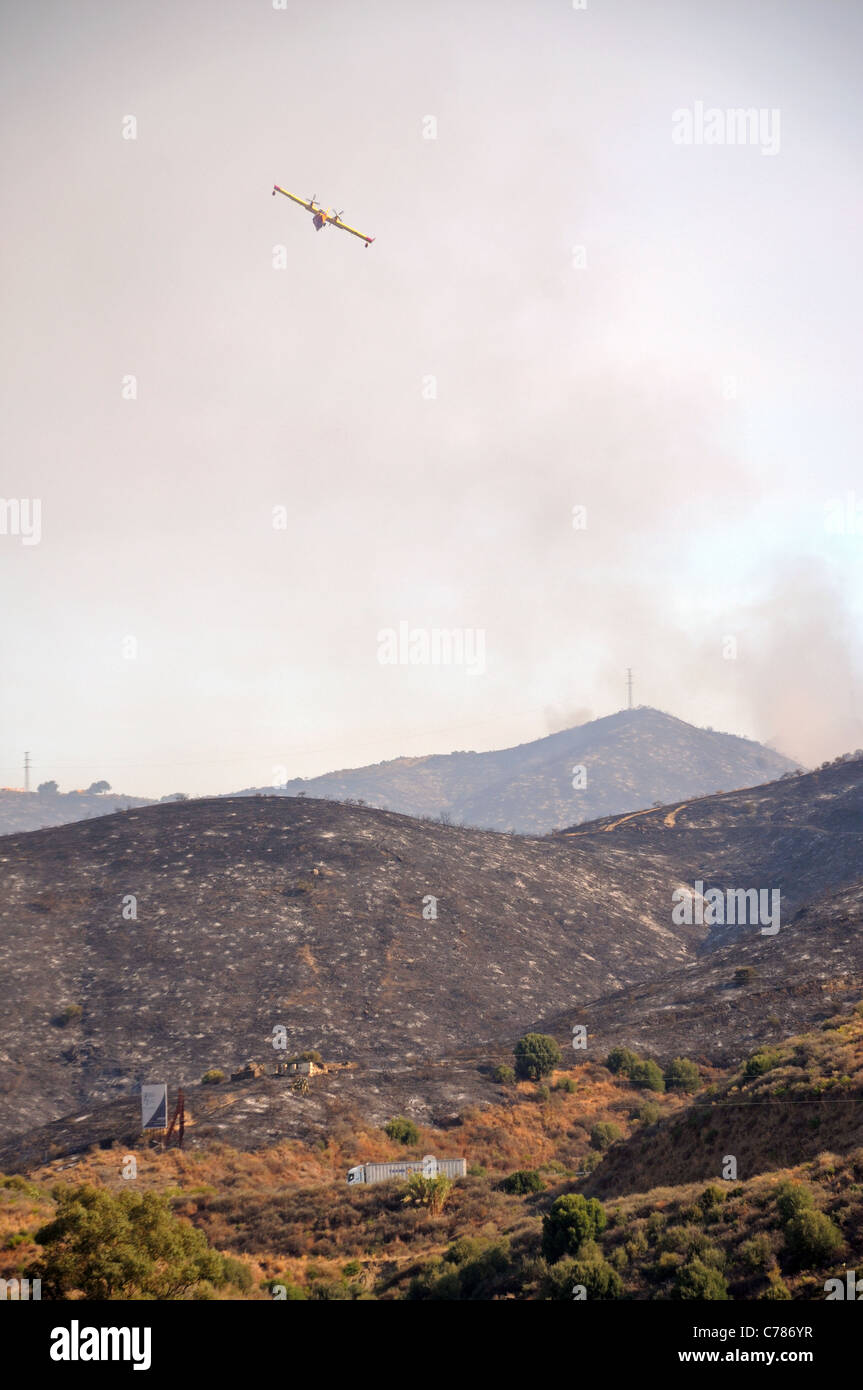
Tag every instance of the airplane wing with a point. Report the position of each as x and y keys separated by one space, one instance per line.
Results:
x=293 y=197
x=337 y=222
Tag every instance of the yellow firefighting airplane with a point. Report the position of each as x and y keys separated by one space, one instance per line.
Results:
x=323 y=217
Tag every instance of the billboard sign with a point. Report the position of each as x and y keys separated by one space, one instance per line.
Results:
x=154 y=1106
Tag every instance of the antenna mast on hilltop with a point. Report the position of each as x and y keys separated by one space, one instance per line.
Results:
x=26 y=772
x=629 y=687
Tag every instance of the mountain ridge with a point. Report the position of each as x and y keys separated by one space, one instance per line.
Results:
x=620 y=762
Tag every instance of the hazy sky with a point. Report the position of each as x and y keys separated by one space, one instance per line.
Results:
x=564 y=307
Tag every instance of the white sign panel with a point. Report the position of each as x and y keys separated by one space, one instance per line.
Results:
x=154 y=1106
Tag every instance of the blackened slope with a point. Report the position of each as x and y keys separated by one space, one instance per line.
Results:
x=739 y=997
x=801 y=834
x=253 y=913
x=236 y=932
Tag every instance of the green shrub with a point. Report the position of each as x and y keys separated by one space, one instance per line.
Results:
x=764 y=1060
x=480 y=1269
x=536 y=1055
x=711 y=1199
x=71 y=1014
x=811 y=1239
x=792 y=1198
x=648 y=1075
x=700 y=1281
x=566 y=1084
x=503 y=1075
x=637 y=1246
x=444 y=1288
x=14 y=1182
x=464 y=1249
x=604 y=1134
x=212 y=1077
x=573 y=1219
x=237 y=1273
x=757 y=1253
x=402 y=1131
x=692 y=1242
x=676 y=1238
x=293 y=1293
x=622 y=1060
x=590 y=1270
x=667 y=1263
x=523 y=1181
x=330 y=1291
x=682 y=1075
x=478 y=1275
x=776 y=1289
x=433 y=1193
x=649 y=1113
x=127 y=1245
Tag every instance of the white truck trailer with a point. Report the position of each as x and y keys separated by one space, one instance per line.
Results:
x=430 y=1167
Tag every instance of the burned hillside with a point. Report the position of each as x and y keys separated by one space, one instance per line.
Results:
x=169 y=940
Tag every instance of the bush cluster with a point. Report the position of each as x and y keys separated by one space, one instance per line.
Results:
x=536 y=1056
x=402 y=1130
x=624 y=1062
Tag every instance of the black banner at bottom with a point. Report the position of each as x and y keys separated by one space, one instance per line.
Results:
x=82 y=1339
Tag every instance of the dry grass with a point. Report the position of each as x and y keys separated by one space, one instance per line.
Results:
x=289 y=1215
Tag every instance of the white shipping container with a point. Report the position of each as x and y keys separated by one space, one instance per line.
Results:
x=429 y=1166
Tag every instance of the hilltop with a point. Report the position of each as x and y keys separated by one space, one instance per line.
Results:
x=618 y=763
x=623 y=762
